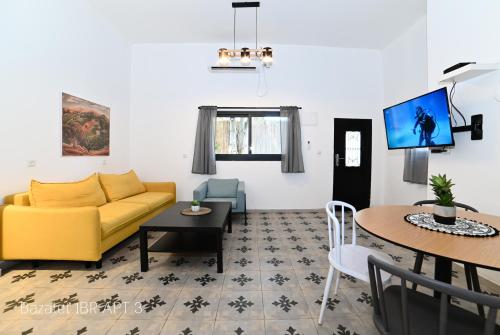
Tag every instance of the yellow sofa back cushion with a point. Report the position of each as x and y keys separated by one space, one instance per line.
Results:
x=87 y=192
x=119 y=186
x=19 y=199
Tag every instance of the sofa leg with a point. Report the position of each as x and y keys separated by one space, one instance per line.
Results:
x=35 y=264
x=88 y=265
x=98 y=264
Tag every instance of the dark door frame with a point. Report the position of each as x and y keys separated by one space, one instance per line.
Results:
x=354 y=186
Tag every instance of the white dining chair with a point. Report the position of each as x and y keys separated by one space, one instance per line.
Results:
x=348 y=258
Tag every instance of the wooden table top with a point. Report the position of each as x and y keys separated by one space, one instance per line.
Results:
x=388 y=223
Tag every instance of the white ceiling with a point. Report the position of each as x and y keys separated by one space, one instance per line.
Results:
x=342 y=23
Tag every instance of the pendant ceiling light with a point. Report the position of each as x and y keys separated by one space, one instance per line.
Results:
x=245 y=55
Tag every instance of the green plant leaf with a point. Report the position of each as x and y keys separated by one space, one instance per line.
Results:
x=441 y=186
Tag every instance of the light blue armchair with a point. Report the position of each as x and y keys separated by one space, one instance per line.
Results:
x=228 y=190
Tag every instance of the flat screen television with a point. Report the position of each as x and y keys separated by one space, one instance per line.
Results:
x=420 y=122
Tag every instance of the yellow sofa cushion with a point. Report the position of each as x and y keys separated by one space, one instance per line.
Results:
x=119 y=186
x=154 y=200
x=118 y=214
x=19 y=199
x=87 y=192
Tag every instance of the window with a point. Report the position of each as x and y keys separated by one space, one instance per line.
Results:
x=352 y=148
x=248 y=136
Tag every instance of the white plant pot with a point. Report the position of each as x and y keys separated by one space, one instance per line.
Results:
x=195 y=208
x=444 y=214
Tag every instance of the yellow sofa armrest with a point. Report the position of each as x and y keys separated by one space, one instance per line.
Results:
x=50 y=233
x=20 y=199
x=168 y=187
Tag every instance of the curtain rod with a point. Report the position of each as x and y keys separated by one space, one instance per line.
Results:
x=248 y=107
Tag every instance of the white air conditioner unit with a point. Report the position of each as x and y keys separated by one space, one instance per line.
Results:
x=233 y=68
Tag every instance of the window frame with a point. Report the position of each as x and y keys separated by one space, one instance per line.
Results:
x=250 y=156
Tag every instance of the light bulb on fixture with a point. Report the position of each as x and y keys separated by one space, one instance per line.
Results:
x=245 y=56
x=223 y=57
x=267 y=57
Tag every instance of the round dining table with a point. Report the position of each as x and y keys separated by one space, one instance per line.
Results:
x=389 y=224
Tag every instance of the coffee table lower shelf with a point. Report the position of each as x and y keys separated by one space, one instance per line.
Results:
x=187 y=242
x=177 y=242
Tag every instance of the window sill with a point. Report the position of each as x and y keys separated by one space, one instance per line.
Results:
x=249 y=157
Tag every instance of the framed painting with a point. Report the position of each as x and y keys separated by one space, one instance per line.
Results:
x=85 y=127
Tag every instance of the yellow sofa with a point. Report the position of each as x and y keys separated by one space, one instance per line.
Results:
x=77 y=233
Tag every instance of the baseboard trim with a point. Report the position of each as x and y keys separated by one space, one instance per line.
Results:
x=6 y=265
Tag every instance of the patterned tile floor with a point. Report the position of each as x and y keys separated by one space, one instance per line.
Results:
x=275 y=270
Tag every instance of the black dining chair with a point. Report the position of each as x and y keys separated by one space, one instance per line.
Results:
x=471 y=275
x=398 y=310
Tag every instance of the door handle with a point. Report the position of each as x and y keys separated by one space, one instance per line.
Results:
x=337 y=159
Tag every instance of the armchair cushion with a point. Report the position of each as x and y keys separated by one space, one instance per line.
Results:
x=233 y=201
x=222 y=188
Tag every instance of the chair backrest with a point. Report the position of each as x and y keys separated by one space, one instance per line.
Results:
x=222 y=188
x=336 y=227
x=458 y=204
x=446 y=291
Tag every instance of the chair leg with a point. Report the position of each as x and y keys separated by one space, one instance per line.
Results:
x=98 y=264
x=337 y=281
x=328 y=284
x=417 y=267
x=246 y=222
x=474 y=278
x=468 y=277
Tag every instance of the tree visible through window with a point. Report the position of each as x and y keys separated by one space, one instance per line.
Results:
x=231 y=135
x=266 y=135
x=248 y=136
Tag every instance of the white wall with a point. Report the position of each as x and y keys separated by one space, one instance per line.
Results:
x=468 y=31
x=170 y=81
x=461 y=30
x=49 y=47
x=405 y=76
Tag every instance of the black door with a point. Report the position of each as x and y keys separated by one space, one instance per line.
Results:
x=352 y=161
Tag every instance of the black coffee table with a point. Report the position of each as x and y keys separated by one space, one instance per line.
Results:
x=187 y=233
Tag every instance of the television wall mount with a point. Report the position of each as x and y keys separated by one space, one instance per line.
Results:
x=475 y=127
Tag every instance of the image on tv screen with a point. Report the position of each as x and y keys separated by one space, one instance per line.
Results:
x=419 y=122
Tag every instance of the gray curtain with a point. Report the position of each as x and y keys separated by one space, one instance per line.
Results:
x=291 y=142
x=204 y=146
x=416 y=166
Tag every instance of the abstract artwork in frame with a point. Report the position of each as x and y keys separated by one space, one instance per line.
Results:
x=85 y=127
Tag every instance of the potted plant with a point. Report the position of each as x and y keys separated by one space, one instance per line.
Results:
x=195 y=206
x=445 y=211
